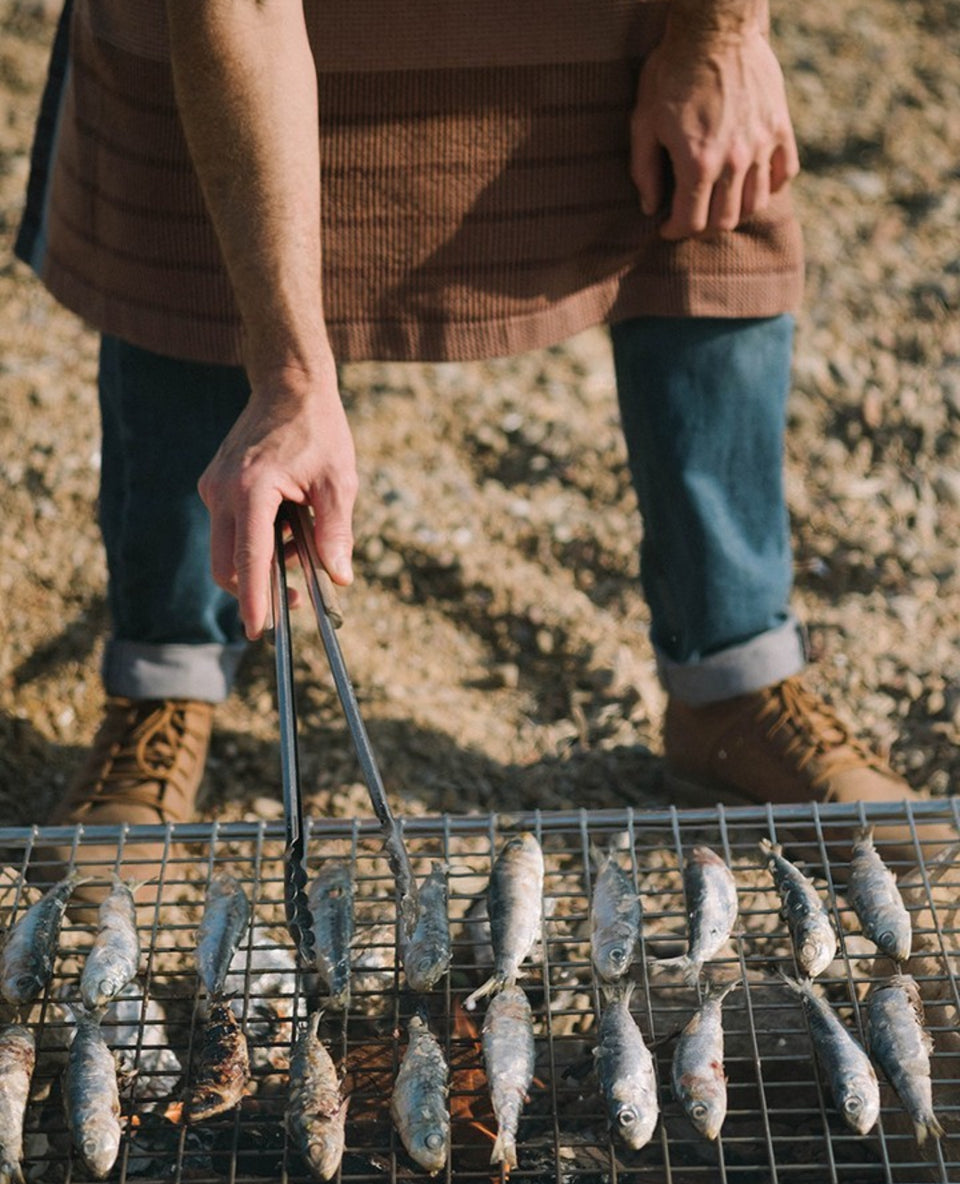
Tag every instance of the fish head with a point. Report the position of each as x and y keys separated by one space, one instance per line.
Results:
x=100 y=1149
x=704 y=1099
x=324 y=1149
x=859 y=1103
x=430 y=1146
x=816 y=954
x=635 y=1121
x=613 y=958
x=896 y=942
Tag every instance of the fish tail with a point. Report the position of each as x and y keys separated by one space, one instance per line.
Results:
x=622 y=989
x=11 y=1173
x=864 y=834
x=504 y=1150
x=681 y=963
x=929 y=1127
x=768 y=847
x=494 y=983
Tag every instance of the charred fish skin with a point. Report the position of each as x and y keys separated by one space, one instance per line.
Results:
x=222 y=1065
x=419 y=1101
x=873 y=895
x=427 y=951
x=509 y=1056
x=813 y=936
x=901 y=1045
x=615 y=918
x=712 y=906
x=626 y=1071
x=317 y=1110
x=27 y=960
x=515 y=906
x=330 y=899
x=18 y=1056
x=92 y=1096
x=699 y=1081
x=850 y=1075
x=115 y=957
x=226 y=916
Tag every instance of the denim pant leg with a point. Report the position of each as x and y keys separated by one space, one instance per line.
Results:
x=175 y=633
x=703 y=406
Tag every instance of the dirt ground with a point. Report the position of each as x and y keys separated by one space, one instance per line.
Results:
x=496 y=633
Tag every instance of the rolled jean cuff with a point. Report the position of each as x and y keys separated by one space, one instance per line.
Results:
x=741 y=669
x=204 y=672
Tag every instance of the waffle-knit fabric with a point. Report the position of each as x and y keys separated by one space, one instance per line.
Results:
x=475 y=186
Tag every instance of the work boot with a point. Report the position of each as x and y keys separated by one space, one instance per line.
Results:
x=783 y=744
x=144 y=768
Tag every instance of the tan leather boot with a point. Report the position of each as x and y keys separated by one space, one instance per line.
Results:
x=784 y=744
x=144 y=768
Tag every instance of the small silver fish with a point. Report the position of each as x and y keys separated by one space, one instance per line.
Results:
x=850 y=1075
x=18 y=1055
x=901 y=1045
x=27 y=960
x=115 y=957
x=426 y=951
x=515 y=906
x=813 y=936
x=626 y=1070
x=92 y=1096
x=419 y=1100
x=330 y=901
x=222 y=1065
x=226 y=916
x=711 y=895
x=509 y=1056
x=316 y=1109
x=873 y=895
x=615 y=917
x=699 y=1081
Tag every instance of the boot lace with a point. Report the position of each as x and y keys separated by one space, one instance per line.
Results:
x=808 y=730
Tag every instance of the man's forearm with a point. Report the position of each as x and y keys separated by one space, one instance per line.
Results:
x=246 y=90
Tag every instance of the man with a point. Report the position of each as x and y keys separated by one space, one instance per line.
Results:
x=240 y=195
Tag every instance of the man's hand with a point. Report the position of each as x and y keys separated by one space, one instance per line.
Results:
x=712 y=105
x=291 y=443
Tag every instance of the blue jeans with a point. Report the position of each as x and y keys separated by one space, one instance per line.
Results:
x=703 y=410
x=703 y=407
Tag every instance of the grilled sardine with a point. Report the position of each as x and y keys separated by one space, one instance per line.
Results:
x=317 y=1109
x=813 y=936
x=711 y=896
x=426 y=951
x=626 y=1070
x=699 y=1082
x=92 y=1096
x=614 y=920
x=18 y=1056
x=873 y=895
x=222 y=1065
x=509 y=1055
x=515 y=907
x=419 y=1100
x=330 y=900
x=226 y=915
x=115 y=956
x=26 y=963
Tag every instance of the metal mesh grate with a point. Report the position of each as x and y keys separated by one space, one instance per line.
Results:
x=781 y=1125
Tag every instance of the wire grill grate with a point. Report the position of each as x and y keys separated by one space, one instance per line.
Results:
x=780 y=1126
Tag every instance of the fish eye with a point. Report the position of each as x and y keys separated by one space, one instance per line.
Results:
x=618 y=954
x=853 y=1104
x=627 y=1115
x=434 y=1140
x=699 y=1110
x=26 y=982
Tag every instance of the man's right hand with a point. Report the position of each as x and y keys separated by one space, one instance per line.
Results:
x=292 y=443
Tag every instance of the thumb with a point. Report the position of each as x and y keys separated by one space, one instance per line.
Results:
x=333 y=537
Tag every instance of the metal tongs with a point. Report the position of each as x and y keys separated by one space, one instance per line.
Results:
x=326 y=606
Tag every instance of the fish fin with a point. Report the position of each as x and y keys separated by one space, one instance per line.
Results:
x=768 y=847
x=864 y=834
x=493 y=984
x=681 y=963
x=12 y=1173
x=504 y=1151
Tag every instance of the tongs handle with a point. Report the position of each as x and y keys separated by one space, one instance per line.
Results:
x=319 y=584
x=296 y=905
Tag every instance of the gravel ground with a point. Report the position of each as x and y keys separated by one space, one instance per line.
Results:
x=495 y=633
